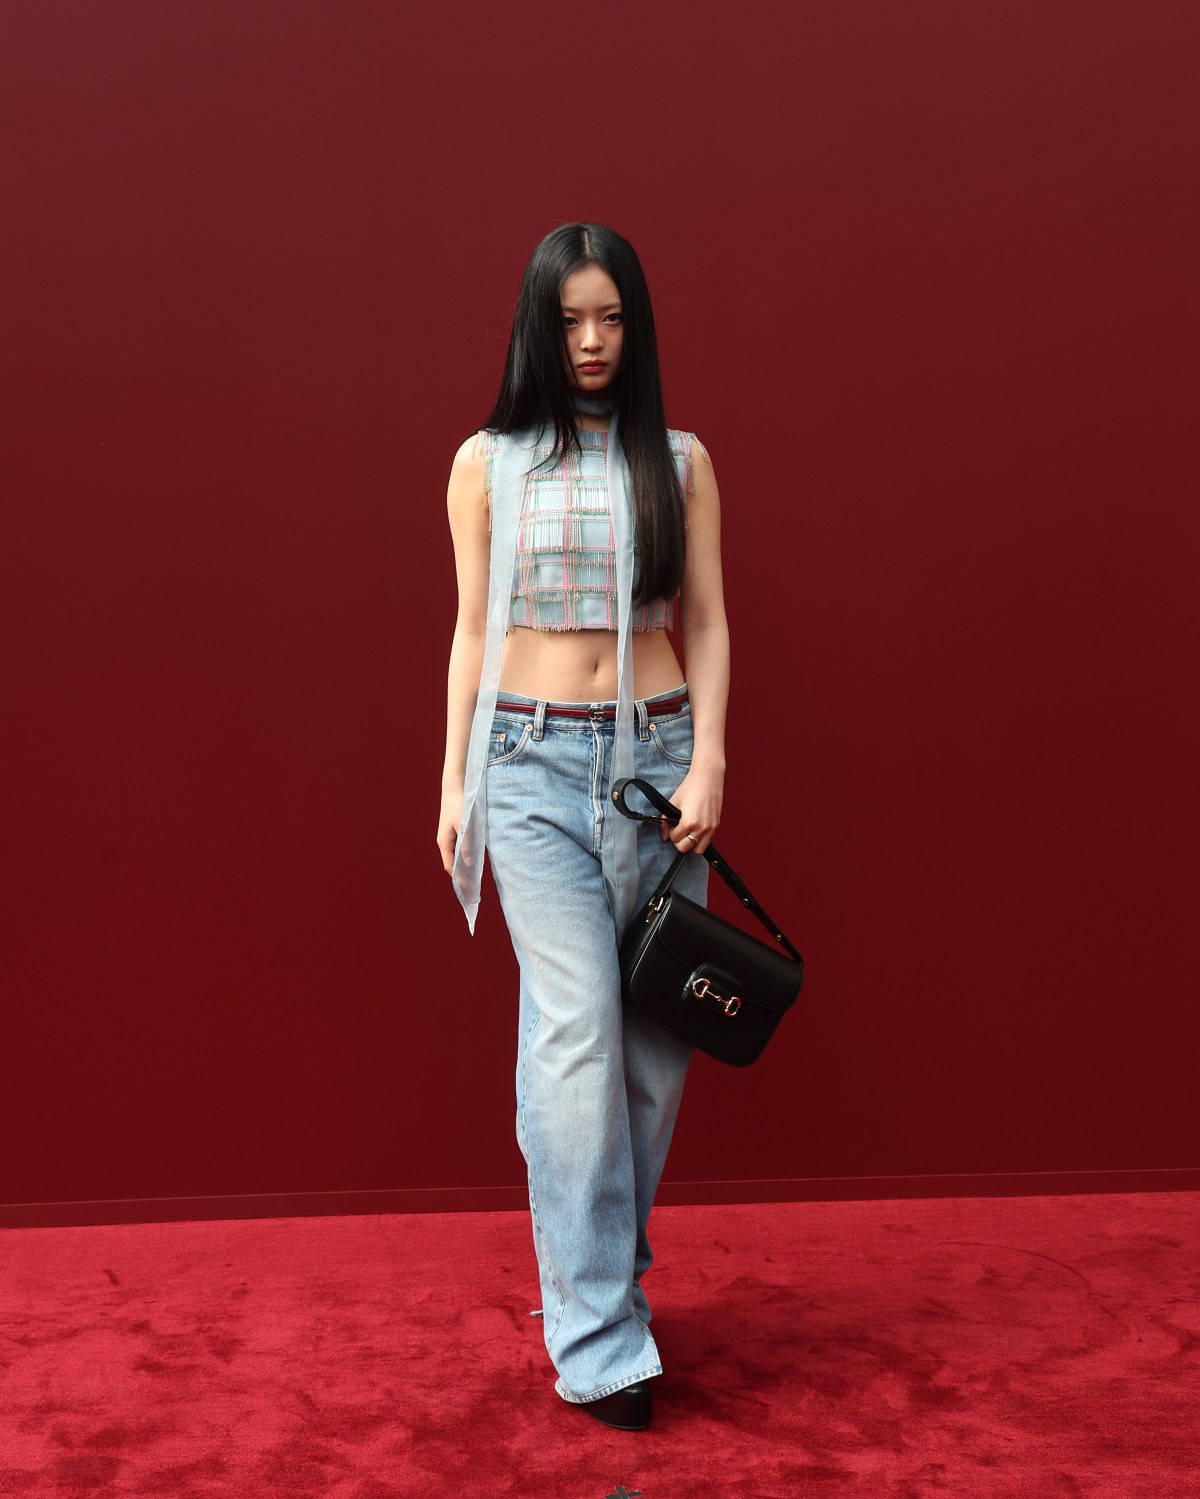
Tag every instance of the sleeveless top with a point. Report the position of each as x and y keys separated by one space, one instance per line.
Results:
x=564 y=573
x=514 y=457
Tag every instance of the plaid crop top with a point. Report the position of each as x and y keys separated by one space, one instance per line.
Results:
x=564 y=571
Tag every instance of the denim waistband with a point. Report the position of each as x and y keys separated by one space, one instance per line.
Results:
x=603 y=702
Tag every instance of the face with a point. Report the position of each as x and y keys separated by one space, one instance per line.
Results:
x=591 y=312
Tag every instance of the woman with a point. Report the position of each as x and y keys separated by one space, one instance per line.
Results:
x=578 y=520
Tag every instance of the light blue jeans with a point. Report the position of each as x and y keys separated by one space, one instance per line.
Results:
x=598 y=1084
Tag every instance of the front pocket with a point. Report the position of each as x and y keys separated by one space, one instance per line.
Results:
x=506 y=741
x=673 y=738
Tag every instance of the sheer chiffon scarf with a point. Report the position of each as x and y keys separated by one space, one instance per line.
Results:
x=513 y=460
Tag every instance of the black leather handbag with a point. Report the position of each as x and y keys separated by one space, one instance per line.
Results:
x=711 y=983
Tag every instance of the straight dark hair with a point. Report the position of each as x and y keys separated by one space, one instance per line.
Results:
x=535 y=388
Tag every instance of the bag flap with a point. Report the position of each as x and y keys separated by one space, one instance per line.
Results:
x=766 y=977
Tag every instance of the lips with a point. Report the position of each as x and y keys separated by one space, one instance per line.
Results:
x=596 y=364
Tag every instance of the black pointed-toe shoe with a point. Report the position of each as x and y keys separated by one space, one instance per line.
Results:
x=628 y=1409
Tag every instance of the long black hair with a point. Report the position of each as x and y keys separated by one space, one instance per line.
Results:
x=535 y=388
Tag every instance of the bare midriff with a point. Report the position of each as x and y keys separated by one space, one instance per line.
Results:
x=580 y=666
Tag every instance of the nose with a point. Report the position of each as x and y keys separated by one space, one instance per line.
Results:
x=591 y=338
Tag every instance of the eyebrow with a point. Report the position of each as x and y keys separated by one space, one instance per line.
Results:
x=604 y=308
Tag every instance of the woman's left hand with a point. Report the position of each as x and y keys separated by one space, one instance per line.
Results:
x=698 y=797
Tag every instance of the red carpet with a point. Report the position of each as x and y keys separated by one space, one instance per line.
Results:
x=977 y=1346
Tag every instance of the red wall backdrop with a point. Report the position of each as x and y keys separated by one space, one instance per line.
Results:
x=925 y=284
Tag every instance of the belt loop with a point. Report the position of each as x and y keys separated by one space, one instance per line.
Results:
x=539 y=719
x=643 y=719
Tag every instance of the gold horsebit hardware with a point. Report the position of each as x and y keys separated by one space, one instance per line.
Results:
x=702 y=989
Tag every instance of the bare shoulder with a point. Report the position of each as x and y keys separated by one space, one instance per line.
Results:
x=469 y=451
x=466 y=492
x=704 y=479
x=703 y=603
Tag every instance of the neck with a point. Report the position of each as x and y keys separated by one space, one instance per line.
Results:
x=598 y=404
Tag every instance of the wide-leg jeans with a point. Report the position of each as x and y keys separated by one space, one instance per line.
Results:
x=598 y=1083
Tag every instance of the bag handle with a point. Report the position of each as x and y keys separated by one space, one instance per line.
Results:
x=718 y=861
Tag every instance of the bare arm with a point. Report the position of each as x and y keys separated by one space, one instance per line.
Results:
x=467 y=511
x=705 y=634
